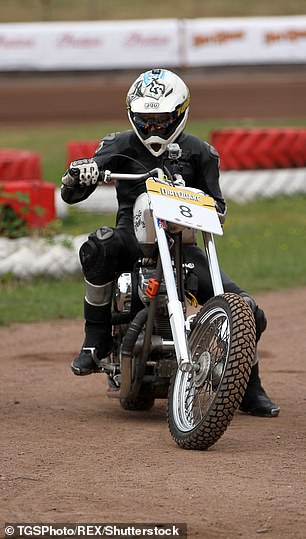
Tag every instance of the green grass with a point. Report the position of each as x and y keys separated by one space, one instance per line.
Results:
x=263 y=243
x=77 y=223
x=36 y=10
x=40 y=299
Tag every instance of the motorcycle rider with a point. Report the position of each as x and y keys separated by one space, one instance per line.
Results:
x=157 y=105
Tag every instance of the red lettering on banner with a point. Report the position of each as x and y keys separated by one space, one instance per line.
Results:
x=287 y=35
x=16 y=43
x=218 y=37
x=137 y=39
x=70 y=40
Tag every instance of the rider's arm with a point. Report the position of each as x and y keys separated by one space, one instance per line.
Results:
x=210 y=168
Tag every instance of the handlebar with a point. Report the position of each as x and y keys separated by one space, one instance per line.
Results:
x=106 y=176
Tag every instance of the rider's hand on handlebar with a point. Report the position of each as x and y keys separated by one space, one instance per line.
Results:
x=221 y=212
x=178 y=181
x=81 y=172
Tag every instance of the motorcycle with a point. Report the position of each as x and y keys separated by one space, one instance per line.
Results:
x=165 y=345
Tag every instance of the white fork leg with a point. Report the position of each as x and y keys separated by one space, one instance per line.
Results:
x=176 y=315
x=213 y=264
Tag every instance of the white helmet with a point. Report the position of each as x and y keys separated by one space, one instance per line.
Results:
x=158 y=106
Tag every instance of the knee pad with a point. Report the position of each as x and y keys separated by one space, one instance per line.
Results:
x=259 y=315
x=98 y=254
x=88 y=254
x=98 y=295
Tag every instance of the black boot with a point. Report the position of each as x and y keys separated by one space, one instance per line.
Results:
x=98 y=340
x=255 y=400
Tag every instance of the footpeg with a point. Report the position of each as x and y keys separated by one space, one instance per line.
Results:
x=104 y=365
x=113 y=389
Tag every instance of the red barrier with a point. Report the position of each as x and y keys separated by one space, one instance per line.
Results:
x=260 y=148
x=77 y=149
x=32 y=200
x=19 y=165
x=22 y=188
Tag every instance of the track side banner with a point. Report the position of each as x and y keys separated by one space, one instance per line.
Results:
x=56 y=46
x=88 y=45
x=266 y=40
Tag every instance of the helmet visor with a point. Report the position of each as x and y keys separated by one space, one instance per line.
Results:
x=159 y=124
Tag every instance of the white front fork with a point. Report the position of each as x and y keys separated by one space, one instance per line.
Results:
x=213 y=263
x=176 y=315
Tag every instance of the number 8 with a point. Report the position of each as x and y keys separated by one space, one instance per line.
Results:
x=185 y=211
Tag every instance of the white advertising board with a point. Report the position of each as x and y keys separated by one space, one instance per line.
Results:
x=255 y=40
x=88 y=45
x=151 y=43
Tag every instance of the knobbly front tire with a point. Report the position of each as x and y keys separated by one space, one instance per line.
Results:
x=202 y=403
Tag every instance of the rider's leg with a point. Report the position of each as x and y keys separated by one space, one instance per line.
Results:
x=98 y=333
x=256 y=400
x=106 y=253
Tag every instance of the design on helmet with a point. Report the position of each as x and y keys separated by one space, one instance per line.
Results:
x=158 y=106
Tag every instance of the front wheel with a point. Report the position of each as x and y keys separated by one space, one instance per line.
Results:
x=202 y=402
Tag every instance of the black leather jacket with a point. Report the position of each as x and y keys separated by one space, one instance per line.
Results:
x=125 y=153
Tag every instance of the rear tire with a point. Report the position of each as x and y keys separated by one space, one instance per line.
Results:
x=143 y=402
x=202 y=403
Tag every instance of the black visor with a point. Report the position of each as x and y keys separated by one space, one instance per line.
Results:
x=158 y=124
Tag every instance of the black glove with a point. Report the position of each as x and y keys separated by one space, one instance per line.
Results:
x=81 y=172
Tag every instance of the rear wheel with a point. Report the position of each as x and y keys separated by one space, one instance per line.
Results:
x=202 y=402
x=143 y=401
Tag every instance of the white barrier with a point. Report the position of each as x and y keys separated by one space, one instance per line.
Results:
x=157 y=42
x=102 y=200
x=245 y=186
x=29 y=257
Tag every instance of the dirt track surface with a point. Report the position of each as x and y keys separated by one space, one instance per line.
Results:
x=271 y=92
x=70 y=454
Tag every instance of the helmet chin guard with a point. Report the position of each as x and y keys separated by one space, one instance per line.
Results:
x=158 y=106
